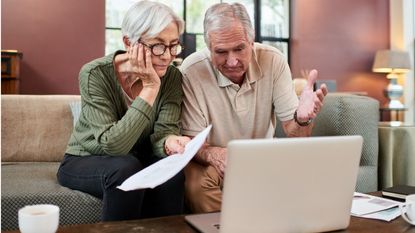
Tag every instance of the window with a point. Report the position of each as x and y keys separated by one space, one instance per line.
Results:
x=274 y=24
x=271 y=22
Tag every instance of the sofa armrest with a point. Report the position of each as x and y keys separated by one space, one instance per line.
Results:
x=347 y=114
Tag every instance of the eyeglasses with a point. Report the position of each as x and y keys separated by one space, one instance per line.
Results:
x=160 y=48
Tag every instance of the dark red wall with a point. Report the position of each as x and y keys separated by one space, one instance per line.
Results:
x=340 y=39
x=56 y=39
x=337 y=37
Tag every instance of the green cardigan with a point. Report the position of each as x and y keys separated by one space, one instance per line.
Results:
x=107 y=126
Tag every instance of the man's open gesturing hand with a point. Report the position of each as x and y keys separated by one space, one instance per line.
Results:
x=311 y=101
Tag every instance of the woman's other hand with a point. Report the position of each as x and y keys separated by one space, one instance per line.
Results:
x=175 y=144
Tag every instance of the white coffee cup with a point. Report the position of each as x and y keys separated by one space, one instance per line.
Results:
x=408 y=209
x=39 y=218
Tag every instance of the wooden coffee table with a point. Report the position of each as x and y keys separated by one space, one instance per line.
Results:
x=178 y=224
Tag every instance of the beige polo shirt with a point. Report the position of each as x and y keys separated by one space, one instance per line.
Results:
x=237 y=112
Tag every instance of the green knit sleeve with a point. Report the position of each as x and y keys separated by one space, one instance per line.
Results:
x=113 y=133
x=168 y=117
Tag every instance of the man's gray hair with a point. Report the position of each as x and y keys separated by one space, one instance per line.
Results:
x=146 y=19
x=221 y=16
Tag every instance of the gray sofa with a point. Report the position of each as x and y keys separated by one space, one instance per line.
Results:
x=347 y=114
x=34 y=132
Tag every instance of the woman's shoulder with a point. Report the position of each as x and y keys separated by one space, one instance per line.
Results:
x=98 y=72
x=173 y=74
x=99 y=63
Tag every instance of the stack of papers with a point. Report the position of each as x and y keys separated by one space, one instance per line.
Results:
x=166 y=168
x=368 y=206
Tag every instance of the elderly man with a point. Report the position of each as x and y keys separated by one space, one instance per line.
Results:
x=239 y=87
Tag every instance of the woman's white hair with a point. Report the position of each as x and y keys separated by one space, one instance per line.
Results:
x=146 y=19
x=221 y=16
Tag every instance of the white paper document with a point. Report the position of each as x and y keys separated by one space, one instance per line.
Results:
x=368 y=206
x=385 y=215
x=166 y=168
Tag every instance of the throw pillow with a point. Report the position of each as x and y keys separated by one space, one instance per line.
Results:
x=76 y=111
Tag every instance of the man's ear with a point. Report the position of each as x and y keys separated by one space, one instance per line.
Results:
x=126 y=42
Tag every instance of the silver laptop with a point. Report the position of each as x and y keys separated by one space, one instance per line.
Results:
x=286 y=185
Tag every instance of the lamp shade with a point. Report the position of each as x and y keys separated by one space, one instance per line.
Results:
x=391 y=61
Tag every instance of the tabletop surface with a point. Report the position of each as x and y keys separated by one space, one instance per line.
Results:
x=178 y=224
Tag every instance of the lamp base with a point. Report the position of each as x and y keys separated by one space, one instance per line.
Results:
x=393 y=92
x=394 y=104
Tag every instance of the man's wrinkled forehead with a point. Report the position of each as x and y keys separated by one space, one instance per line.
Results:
x=234 y=36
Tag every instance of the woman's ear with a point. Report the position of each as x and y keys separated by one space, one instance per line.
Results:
x=126 y=42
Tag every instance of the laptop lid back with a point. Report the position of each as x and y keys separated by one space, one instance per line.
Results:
x=290 y=184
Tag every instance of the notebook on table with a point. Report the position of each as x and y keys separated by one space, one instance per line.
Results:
x=398 y=192
x=286 y=185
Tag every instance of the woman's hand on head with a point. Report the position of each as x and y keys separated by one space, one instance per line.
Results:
x=140 y=59
x=175 y=144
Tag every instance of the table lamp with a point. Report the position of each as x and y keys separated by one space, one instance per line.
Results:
x=392 y=62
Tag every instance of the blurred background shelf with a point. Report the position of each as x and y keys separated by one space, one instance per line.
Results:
x=10 y=71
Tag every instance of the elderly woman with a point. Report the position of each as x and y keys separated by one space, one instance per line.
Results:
x=130 y=113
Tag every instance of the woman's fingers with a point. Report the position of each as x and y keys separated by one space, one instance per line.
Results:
x=148 y=63
x=134 y=52
x=137 y=55
x=141 y=67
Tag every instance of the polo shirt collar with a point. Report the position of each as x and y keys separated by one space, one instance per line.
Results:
x=254 y=70
x=222 y=80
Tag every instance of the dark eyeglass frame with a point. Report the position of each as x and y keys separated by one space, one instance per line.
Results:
x=153 y=47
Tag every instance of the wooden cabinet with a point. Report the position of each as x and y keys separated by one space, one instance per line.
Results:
x=10 y=71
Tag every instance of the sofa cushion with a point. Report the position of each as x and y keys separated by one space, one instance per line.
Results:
x=35 y=128
x=36 y=183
